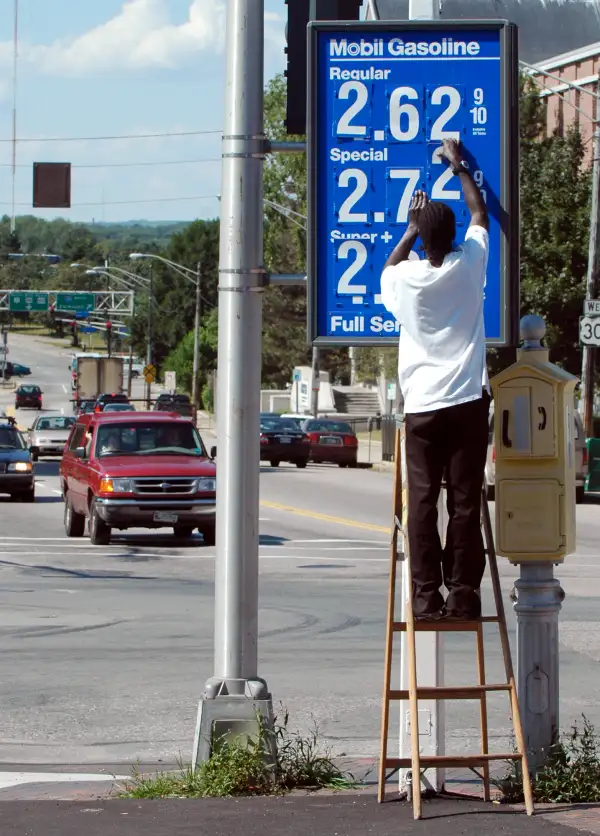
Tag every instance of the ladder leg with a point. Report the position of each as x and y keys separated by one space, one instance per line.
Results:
x=389 y=639
x=412 y=692
x=508 y=666
x=483 y=712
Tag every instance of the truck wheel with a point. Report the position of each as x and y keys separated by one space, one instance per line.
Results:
x=183 y=532
x=491 y=493
x=209 y=534
x=29 y=496
x=302 y=463
x=579 y=494
x=99 y=531
x=274 y=462
x=74 y=522
x=34 y=455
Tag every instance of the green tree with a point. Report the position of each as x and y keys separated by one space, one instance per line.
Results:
x=555 y=195
x=181 y=358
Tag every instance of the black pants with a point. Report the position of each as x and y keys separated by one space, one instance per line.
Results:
x=448 y=443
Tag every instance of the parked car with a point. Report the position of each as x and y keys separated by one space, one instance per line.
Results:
x=119 y=407
x=49 y=435
x=282 y=441
x=174 y=403
x=19 y=370
x=331 y=441
x=16 y=468
x=142 y=470
x=28 y=395
x=109 y=397
x=581 y=459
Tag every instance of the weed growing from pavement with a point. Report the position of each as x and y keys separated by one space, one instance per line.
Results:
x=571 y=774
x=237 y=768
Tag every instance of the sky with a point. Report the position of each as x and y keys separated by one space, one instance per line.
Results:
x=98 y=68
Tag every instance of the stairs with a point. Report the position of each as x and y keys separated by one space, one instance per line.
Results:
x=354 y=400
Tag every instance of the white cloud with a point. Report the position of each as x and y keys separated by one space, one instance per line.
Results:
x=141 y=36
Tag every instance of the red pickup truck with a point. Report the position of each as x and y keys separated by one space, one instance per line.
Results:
x=137 y=470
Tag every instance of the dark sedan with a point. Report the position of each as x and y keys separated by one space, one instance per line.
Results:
x=282 y=441
x=331 y=441
x=16 y=469
x=28 y=395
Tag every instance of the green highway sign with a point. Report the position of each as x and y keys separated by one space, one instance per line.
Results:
x=27 y=301
x=75 y=302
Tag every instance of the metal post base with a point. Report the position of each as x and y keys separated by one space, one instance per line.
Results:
x=538 y=597
x=229 y=712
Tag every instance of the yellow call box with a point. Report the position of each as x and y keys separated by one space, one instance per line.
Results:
x=534 y=436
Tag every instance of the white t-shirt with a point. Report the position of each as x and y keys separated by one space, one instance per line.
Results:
x=441 y=358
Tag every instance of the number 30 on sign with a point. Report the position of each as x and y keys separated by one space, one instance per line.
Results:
x=383 y=98
x=589 y=330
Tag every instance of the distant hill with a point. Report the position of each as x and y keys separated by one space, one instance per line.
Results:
x=546 y=27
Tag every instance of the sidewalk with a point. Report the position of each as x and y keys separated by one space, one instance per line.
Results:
x=343 y=814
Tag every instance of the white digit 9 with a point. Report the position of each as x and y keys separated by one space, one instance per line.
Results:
x=360 y=259
x=397 y=111
x=345 y=215
x=345 y=126
x=478 y=96
x=438 y=130
x=478 y=177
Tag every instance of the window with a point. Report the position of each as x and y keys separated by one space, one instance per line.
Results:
x=139 y=438
x=77 y=437
x=55 y=422
x=328 y=426
x=10 y=439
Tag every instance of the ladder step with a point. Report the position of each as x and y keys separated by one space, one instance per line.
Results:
x=443 y=626
x=468 y=692
x=450 y=761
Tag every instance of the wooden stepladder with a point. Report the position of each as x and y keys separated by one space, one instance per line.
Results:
x=471 y=692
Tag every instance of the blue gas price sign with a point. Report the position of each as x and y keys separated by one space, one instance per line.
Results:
x=382 y=97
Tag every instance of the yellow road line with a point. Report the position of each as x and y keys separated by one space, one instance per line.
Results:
x=303 y=512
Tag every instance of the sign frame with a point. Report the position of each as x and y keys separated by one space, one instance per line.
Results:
x=509 y=169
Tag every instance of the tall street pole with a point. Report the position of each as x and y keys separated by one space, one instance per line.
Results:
x=315 y=383
x=196 y=363
x=236 y=690
x=149 y=340
x=588 y=353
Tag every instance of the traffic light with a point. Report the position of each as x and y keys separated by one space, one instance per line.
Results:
x=300 y=12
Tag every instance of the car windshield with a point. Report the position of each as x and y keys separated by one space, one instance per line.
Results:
x=118 y=407
x=29 y=390
x=278 y=425
x=10 y=439
x=55 y=422
x=138 y=438
x=296 y=421
x=328 y=426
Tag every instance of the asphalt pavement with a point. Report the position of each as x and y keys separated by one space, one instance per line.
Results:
x=105 y=650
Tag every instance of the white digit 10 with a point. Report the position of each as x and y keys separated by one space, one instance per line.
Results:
x=360 y=259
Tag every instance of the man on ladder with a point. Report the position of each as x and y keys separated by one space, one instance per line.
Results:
x=438 y=302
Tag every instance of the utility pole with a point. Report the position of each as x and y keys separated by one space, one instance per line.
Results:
x=588 y=353
x=196 y=363
x=316 y=383
x=149 y=338
x=235 y=694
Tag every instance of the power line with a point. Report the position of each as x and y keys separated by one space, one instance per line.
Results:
x=145 y=200
x=127 y=165
x=103 y=138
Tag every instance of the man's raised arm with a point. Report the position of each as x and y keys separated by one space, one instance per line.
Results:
x=473 y=197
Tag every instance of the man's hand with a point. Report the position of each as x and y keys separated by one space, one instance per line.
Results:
x=419 y=202
x=451 y=152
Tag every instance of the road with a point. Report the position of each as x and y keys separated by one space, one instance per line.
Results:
x=105 y=650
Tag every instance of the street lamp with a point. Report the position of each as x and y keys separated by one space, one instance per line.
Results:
x=193 y=277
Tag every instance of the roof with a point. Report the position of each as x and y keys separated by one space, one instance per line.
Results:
x=127 y=417
x=571 y=57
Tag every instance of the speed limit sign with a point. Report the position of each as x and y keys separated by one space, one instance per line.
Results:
x=589 y=330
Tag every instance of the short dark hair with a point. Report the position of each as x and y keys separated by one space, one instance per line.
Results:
x=437 y=228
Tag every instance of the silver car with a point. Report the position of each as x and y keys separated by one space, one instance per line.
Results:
x=580 y=459
x=49 y=434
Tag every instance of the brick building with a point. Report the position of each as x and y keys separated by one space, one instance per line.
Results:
x=565 y=105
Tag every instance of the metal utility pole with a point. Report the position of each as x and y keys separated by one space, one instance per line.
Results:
x=588 y=353
x=14 y=113
x=316 y=383
x=236 y=693
x=149 y=339
x=196 y=363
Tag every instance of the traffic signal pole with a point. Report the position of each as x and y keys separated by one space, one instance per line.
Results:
x=149 y=340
